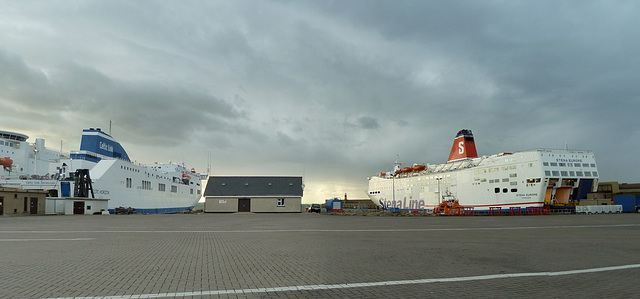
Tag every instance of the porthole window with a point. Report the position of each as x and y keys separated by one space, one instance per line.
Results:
x=497 y=190
x=505 y=190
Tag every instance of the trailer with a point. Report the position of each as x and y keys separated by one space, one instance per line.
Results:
x=630 y=203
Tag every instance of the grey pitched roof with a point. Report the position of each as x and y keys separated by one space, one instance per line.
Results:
x=253 y=186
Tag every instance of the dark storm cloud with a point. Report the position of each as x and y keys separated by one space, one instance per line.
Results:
x=368 y=122
x=18 y=81
x=95 y=98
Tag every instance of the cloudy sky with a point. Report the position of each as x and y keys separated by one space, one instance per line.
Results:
x=332 y=90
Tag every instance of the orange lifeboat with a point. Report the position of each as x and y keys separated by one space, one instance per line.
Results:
x=398 y=171
x=419 y=167
x=6 y=162
x=382 y=173
x=407 y=169
x=185 y=176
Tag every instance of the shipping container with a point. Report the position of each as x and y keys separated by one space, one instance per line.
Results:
x=629 y=202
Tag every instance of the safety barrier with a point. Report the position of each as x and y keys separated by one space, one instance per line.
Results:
x=515 y=211
x=495 y=211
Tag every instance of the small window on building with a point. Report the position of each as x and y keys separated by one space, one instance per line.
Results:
x=547 y=172
x=587 y=173
x=174 y=189
x=281 y=202
x=554 y=164
x=595 y=173
x=556 y=173
x=578 y=173
x=585 y=164
x=514 y=190
x=505 y=190
x=497 y=190
x=563 y=173
x=545 y=163
x=593 y=165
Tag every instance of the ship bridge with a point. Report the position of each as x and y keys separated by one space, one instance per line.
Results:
x=13 y=136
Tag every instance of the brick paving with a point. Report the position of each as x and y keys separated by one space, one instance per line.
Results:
x=125 y=255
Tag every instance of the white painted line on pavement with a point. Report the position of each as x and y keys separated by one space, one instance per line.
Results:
x=20 y=240
x=362 y=284
x=325 y=230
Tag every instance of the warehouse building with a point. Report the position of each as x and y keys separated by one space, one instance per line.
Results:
x=259 y=194
x=22 y=202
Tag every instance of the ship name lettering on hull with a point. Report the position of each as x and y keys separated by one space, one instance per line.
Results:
x=402 y=204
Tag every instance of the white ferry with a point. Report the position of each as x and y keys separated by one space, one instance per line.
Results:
x=152 y=189
x=533 y=178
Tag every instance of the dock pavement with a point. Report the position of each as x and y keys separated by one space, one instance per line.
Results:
x=247 y=255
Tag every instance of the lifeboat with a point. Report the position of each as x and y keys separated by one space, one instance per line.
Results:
x=6 y=162
x=417 y=167
x=382 y=174
x=193 y=170
x=398 y=171
x=186 y=176
x=407 y=169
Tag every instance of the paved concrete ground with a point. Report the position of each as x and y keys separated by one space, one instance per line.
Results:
x=319 y=256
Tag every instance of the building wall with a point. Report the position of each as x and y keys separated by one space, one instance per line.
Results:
x=13 y=201
x=55 y=205
x=258 y=204
x=220 y=204
x=270 y=205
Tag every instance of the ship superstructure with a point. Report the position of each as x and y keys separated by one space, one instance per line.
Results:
x=159 y=188
x=524 y=179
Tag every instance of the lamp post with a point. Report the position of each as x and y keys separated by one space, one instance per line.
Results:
x=439 y=195
x=35 y=163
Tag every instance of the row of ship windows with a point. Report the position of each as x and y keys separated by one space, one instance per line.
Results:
x=10 y=144
x=568 y=164
x=496 y=190
x=146 y=185
x=571 y=173
x=129 y=168
x=138 y=170
x=495 y=169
